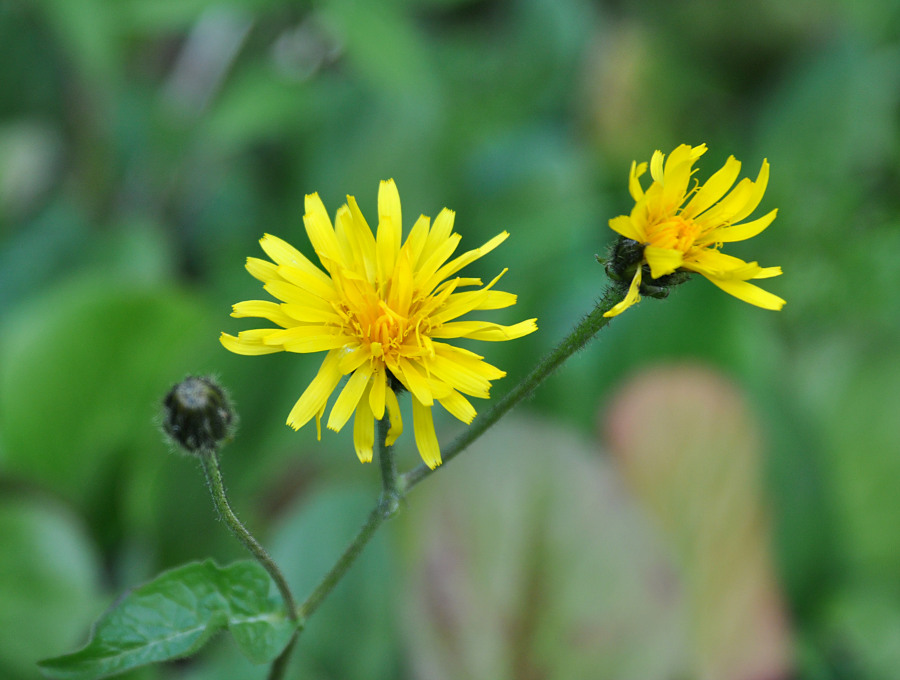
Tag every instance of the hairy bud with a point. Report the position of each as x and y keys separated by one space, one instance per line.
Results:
x=197 y=414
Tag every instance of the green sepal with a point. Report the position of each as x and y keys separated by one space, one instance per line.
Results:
x=175 y=614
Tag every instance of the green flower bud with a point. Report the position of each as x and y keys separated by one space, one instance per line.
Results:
x=197 y=414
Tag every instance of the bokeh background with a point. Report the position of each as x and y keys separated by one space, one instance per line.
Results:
x=709 y=490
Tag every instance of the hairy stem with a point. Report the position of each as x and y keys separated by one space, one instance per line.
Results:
x=210 y=461
x=387 y=506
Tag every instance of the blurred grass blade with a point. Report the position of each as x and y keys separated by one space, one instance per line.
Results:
x=175 y=614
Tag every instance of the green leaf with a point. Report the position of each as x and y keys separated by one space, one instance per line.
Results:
x=176 y=614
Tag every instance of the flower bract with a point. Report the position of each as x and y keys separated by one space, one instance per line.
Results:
x=383 y=310
x=682 y=225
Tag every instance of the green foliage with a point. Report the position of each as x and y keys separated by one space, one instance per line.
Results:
x=48 y=582
x=175 y=615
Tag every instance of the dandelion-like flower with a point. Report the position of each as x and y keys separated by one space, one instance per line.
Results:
x=382 y=311
x=676 y=227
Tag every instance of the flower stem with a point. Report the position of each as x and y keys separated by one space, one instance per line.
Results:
x=210 y=460
x=279 y=666
x=331 y=579
x=589 y=326
x=390 y=496
x=386 y=508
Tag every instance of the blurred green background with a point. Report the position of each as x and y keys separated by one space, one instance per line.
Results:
x=145 y=146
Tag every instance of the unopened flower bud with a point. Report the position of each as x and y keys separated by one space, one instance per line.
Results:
x=197 y=414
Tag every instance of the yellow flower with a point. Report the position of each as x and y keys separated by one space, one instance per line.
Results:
x=682 y=227
x=381 y=311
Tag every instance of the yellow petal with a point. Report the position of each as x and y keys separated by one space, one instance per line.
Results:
x=741 y=232
x=415 y=242
x=768 y=273
x=463 y=260
x=387 y=238
x=262 y=270
x=634 y=184
x=459 y=407
x=756 y=193
x=656 y=165
x=624 y=226
x=377 y=393
x=396 y=419
x=263 y=309
x=749 y=293
x=662 y=261
x=364 y=237
x=460 y=377
x=314 y=398
x=414 y=381
x=284 y=254
x=249 y=343
x=349 y=397
x=321 y=233
x=484 y=330
x=714 y=188
x=631 y=298
x=364 y=431
x=463 y=303
x=431 y=261
x=468 y=358
x=352 y=357
x=441 y=231
x=426 y=438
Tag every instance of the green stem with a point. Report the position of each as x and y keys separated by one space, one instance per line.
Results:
x=578 y=338
x=331 y=579
x=210 y=461
x=279 y=666
x=390 y=496
x=387 y=506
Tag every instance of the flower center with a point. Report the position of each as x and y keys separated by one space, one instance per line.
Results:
x=675 y=233
x=388 y=333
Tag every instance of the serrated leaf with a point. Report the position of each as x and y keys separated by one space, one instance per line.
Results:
x=175 y=614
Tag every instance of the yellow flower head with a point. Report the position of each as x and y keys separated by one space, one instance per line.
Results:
x=382 y=311
x=680 y=226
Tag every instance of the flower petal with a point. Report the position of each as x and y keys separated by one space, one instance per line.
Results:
x=364 y=431
x=631 y=298
x=314 y=398
x=749 y=293
x=634 y=184
x=396 y=419
x=662 y=261
x=377 y=393
x=756 y=194
x=484 y=330
x=349 y=397
x=426 y=438
x=249 y=343
x=321 y=233
x=624 y=226
x=263 y=309
x=713 y=189
x=741 y=232
x=390 y=227
x=459 y=407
